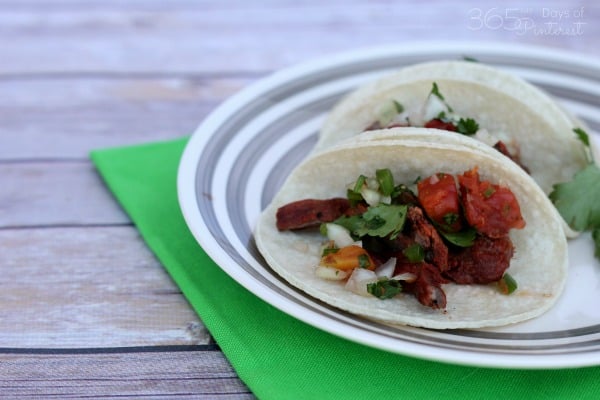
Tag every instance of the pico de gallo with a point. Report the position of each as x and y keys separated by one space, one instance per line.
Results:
x=384 y=238
x=436 y=113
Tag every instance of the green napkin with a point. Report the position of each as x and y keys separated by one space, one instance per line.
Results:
x=277 y=356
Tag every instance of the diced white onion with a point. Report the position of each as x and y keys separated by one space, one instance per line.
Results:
x=331 y=274
x=373 y=183
x=483 y=135
x=415 y=118
x=339 y=234
x=386 y=269
x=406 y=276
x=372 y=197
x=387 y=113
x=386 y=199
x=359 y=279
x=433 y=107
x=433 y=179
x=399 y=119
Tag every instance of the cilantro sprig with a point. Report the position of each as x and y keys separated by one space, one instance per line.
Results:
x=577 y=200
x=466 y=126
x=435 y=91
x=380 y=220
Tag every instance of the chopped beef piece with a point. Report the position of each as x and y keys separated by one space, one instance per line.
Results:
x=501 y=147
x=425 y=235
x=405 y=196
x=427 y=287
x=484 y=262
x=310 y=212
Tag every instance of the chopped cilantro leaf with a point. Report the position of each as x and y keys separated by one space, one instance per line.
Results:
x=389 y=111
x=415 y=253
x=469 y=58
x=399 y=107
x=363 y=261
x=385 y=180
x=354 y=194
x=450 y=218
x=467 y=126
x=323 y=229
x=583 y=136
x=442 y=116
x=381 y=220
x=436 y=92
x=577 y=200
x=461 y=239
x=488 y=192
x=354 y=197
x=329 y=250
x=384 y=288
x=507 y=284
x=359 y=183
x=585 y=139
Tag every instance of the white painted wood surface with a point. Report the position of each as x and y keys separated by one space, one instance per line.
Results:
x=75 y=76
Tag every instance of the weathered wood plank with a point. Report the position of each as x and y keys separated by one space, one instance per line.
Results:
x=256 y=36
x=67 y=117
x=60 y=289
x=55 y=193
x=194 y=373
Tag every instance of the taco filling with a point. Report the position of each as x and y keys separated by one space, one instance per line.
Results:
x=385 y=238
x=436 y=113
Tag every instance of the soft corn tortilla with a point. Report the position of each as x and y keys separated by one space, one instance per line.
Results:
x=514 y=111
x=539 y=265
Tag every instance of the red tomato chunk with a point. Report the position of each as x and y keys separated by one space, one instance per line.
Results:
x=491 y=209
x=438 y=195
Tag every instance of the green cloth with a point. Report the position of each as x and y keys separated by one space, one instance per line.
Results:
x=277 y=356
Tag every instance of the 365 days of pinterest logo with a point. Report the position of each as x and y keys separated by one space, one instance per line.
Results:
x=521 y=21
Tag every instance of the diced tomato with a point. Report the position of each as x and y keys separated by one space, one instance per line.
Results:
x=491 y=209
x=348 y=258
x=438 y=196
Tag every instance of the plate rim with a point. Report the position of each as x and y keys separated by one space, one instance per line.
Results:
x=188 y=201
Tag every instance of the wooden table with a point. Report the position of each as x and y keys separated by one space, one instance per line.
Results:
x=85 y=308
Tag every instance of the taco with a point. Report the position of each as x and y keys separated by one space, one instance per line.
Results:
x=475 y=100
x=351 y=228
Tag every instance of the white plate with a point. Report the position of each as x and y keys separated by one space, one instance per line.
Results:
x=240 y=155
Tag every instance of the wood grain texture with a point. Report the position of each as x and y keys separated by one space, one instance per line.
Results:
x=89 y=287
x=40 y=193
x=76 y=76
x=66 y=117
x=191 y=373
x=234 y=36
